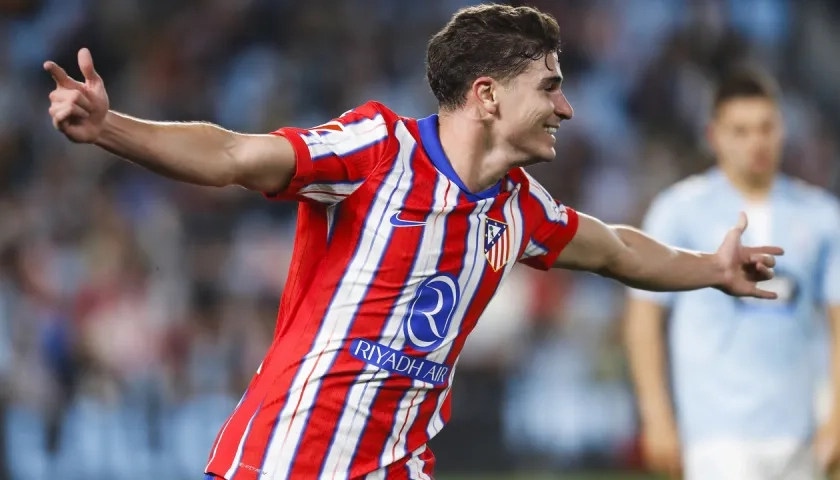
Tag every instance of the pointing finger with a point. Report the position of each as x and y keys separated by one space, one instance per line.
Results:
x=60 y=76
x=767 y=250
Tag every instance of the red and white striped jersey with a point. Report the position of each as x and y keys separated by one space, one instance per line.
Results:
x=394 y=262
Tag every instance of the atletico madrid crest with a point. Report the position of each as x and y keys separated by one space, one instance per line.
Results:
x=496 y=243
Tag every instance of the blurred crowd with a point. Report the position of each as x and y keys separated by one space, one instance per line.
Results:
x=134 y=310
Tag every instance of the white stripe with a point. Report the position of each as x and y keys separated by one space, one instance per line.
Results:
x=432 y=244
x=324 y=198
x=377 y=475
x=361 y=395
x=352 y=138
x=533 y=250
x=329 y=193
x=415 y=465
x=513 y=217
x=330 y=219
x=238 y=457
x=334 y=327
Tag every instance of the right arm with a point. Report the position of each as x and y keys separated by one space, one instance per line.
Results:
x=197 y=153
x=200 y=153
x=644 y=336
x=645 y=342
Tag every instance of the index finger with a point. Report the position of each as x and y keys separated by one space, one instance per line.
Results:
x=60 y=76
x=768 y=250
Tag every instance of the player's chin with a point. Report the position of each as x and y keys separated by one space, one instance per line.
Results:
x=545 y=154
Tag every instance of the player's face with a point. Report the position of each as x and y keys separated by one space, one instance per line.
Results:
x=531 y=107
x=746 y=135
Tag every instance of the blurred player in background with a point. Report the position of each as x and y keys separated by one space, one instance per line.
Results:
x=743 y=373
x=405 y=229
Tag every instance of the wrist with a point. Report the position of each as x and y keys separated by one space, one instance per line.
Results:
x=716 y=271
x=106 y=130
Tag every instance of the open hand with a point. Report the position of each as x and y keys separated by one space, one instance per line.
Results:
x=744 y=266
x=78 y=109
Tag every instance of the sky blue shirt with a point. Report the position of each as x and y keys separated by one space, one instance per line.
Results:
x=745 y=368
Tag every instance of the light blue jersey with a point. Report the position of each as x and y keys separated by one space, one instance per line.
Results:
x=745 y=368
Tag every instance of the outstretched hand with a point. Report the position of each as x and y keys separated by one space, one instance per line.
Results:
x=744 y=267
x=78 y=109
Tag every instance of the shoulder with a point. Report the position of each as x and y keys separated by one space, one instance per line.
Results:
x=537 y=195
x=695 y=188
x=801 y=191
x=373 y=109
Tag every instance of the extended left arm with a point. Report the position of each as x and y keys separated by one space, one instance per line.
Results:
x=637 y=260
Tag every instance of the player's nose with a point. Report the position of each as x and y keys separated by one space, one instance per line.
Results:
x=563 y=109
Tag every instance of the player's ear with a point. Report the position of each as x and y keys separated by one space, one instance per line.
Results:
x=484 y=90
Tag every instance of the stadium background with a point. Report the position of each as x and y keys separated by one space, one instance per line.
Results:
x=133 y=310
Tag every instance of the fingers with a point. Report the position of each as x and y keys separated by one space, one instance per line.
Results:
x=741 y=226
x=66 y=112
x=71 y=96
x=763 y=259
x=767 y=250
x=60 y=77
x=86 y=66
x=764 y=294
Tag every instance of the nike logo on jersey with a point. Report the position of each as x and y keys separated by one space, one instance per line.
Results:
x=398 y=222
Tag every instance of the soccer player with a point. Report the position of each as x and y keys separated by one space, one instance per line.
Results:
x=405 y=229
x=742 y=372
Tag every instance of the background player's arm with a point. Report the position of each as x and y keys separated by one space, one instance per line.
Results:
x=201 y=153
x=645 y=340
x=827 y=441
x=645 y=343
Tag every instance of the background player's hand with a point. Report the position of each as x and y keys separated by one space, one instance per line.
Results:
x=661 y=448
x=744 y=266
x=827 y=446
x=78 y=109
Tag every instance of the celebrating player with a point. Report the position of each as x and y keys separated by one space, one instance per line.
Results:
x=405 y=229
x=743 y=372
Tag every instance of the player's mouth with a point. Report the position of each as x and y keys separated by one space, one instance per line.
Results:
x=550 y=129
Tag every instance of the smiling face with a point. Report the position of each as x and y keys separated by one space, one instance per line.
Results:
x=530 y=109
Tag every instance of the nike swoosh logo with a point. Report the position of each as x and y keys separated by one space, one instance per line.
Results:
x=397 y=222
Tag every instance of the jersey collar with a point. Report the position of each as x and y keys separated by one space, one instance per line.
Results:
x=431 y=143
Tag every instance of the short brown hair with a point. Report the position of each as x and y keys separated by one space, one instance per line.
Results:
x=493 y=40
x=745 y=82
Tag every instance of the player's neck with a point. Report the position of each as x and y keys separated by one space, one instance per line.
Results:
x=752 y=189
x=465 y=141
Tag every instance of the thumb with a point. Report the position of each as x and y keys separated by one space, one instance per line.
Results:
x=741 y=226
x=86 y=66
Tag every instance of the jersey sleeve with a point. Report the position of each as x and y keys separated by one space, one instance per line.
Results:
x=662 y=223
x=830 y=258
x=557 y=225
x=334 y=159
